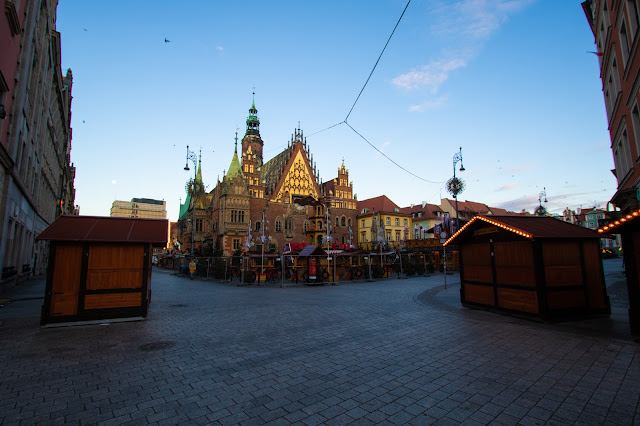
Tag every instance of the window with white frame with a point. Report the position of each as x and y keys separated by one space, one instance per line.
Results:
x=622 y=156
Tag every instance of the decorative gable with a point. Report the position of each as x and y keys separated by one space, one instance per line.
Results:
x=297 y=179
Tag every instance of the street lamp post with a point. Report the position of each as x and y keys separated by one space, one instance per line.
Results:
x=541 y=211
x=192 y=156
x=456 y=184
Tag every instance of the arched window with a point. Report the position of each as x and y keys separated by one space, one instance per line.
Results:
x=257 y=226
x=349 y=222
x=306 y=225
x=288 y=223
x=319 y=239
x=344 y=219
x=278 y=225
x=337 y=221
x=343 y=239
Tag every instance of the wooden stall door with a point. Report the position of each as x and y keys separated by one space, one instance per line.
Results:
x=112 y=268
x=65 y=284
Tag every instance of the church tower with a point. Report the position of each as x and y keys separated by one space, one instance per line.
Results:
x=252 y=153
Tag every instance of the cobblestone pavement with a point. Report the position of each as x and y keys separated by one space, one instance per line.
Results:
x=391 y=352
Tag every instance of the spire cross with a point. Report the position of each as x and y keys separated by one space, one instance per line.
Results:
x=236 y=140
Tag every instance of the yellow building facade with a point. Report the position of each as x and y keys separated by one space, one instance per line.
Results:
x=381 y=221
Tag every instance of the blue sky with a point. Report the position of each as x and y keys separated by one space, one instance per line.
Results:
x=510 y=81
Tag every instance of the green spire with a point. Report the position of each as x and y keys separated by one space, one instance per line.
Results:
x=253 y=124
x=234 y=167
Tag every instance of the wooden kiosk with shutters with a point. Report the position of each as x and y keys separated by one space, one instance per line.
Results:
x=100 y=268
x=537 y=266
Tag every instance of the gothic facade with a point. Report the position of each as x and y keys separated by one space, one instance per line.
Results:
x=265 y=205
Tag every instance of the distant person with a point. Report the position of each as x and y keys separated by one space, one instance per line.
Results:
x=192 y=268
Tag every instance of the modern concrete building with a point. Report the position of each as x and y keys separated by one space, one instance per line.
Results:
x=36 y=177
x=140 y=207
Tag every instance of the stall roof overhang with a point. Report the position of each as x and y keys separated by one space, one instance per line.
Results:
x=312 y=250
x=99 y=229
x=531 y=227
x=623 y=220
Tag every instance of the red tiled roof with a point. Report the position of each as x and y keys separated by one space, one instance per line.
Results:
x=499 y=212
x=532 y=227
x=378 y=204
x=429 y=210
x=472 y=206
x=106 y=230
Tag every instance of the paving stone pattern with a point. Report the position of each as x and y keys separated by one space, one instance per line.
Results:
x=365 y=353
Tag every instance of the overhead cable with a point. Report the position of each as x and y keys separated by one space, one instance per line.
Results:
x=387 y=157
x=376 y=64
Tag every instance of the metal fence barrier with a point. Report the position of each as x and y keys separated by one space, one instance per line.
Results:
x=274 y=269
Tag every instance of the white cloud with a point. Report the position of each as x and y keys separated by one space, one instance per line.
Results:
x=219 y=48
x=507 y=187
x=475 y=19
x=430 y=76
x=429 y=105
x=465 y=24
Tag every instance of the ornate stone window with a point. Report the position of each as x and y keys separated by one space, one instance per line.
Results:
x=278 y=225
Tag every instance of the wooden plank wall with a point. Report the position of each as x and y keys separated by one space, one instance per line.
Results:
x=515 y=276
x=115 y=266
x=478 y=270
x=514 y=264
x=563 y=275
x=65 y=285
x=594 y=277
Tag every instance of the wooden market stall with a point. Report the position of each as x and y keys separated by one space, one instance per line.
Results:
x=313 y=264
x=99 y=267
x=628 y=227
x=539 y=266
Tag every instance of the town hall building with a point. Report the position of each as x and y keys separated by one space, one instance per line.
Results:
x=265 y=205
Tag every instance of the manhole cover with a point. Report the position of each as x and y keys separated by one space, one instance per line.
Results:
x=156 y=346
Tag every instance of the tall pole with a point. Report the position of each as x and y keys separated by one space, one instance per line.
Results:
x=457 y=157
x=192 y=156
x=263 y=241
